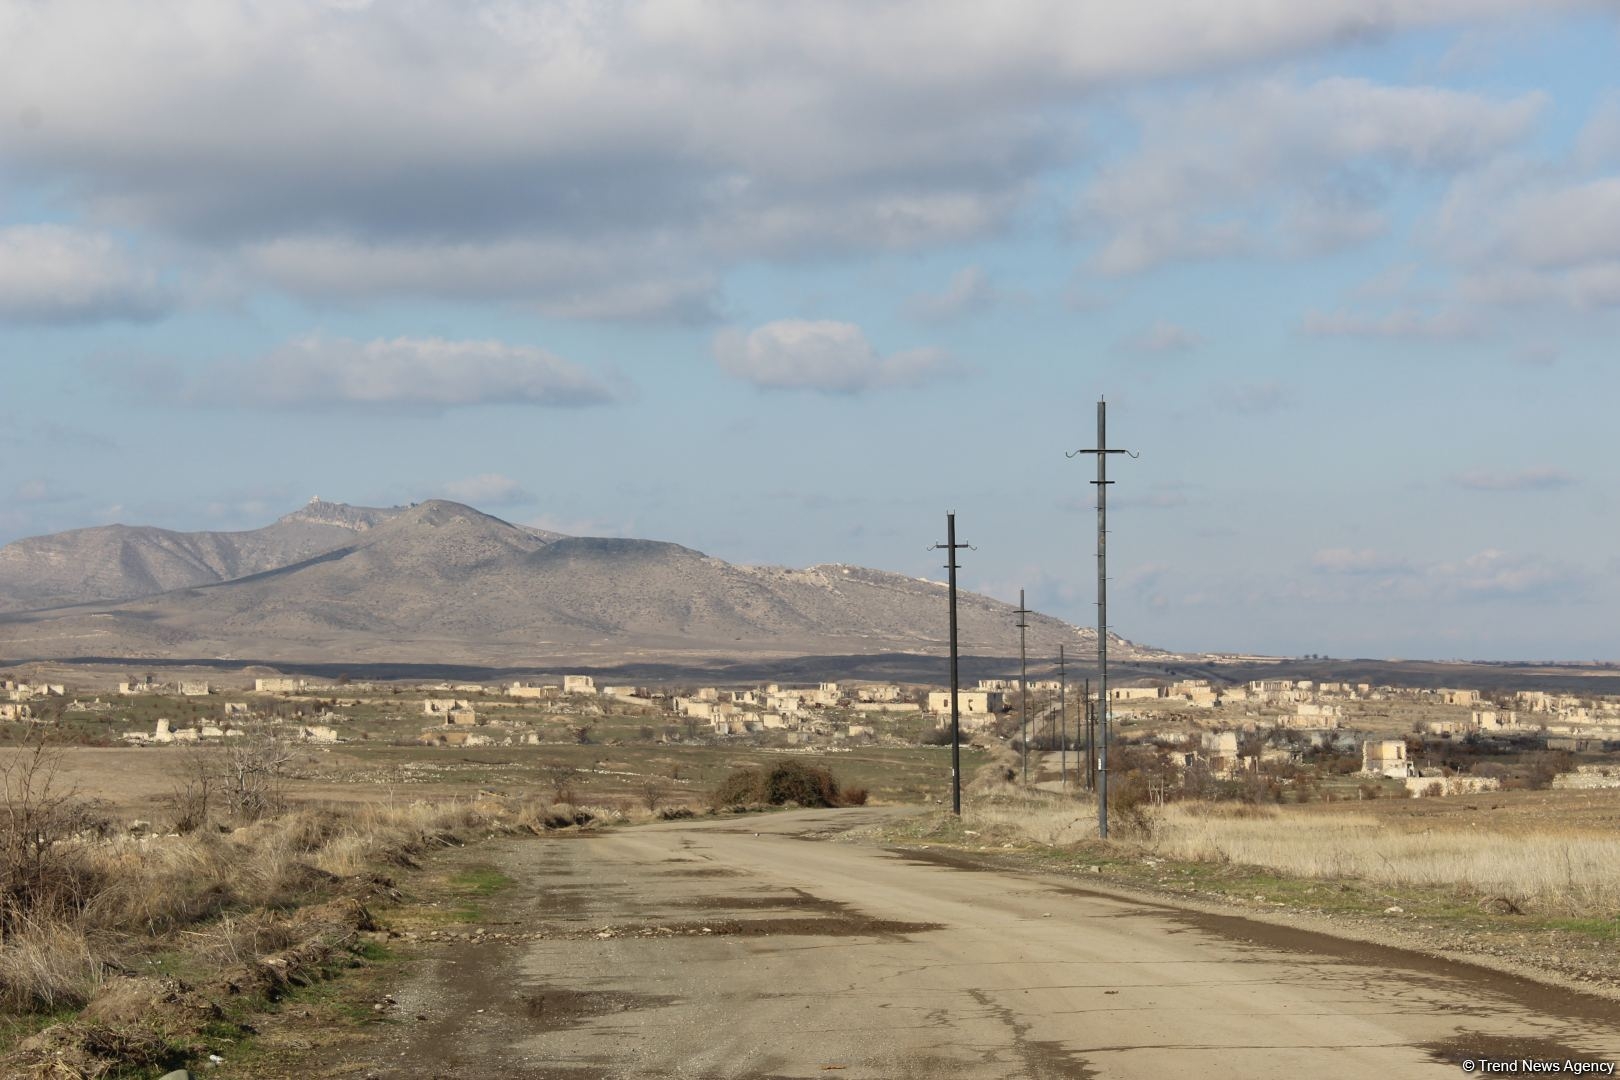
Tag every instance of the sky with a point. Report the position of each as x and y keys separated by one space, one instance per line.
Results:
x=785 y=283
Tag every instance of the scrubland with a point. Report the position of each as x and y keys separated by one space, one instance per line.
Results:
x=146 y=949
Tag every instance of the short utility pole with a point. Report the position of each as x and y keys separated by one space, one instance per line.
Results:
x=1063 y=721
x=1023 y=686
x=1091 y=739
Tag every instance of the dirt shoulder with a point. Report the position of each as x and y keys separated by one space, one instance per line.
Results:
x=1576 y=954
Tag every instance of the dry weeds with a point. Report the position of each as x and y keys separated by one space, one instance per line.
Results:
x=1550 y=870
x=1544 y=867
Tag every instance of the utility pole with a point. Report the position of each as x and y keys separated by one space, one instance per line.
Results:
x=950 y=547
x=1023 y=686
x=1063 y=721
x=1102 y=451
x=1091 y=741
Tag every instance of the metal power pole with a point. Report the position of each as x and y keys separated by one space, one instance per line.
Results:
x=950 y=547
x=1023 y=686
x=1063 y=721
x=1102 y=451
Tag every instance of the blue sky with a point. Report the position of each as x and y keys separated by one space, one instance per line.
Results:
x=785 y=283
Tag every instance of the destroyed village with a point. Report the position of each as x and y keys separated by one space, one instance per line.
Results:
x=732 y=540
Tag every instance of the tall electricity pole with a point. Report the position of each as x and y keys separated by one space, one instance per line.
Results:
x=1102 y=451
x=1023 y=686
x=950 y=547
x=1063 y=720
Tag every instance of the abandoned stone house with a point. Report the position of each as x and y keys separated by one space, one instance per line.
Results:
x=968 y=702
x=579 y=684
x=518 y=690
x=1385 y=757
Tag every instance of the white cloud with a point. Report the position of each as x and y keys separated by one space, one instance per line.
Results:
x=1394 y=325
x=672 y=139
x=39 y=491
x=1566 y=226
x=1496 y=574
x=570 y=279
x=969 y=291
x=487 y=489
x=63 y=274
x=582 y=526
x=1162 y=338
x=1598 y=145
x=1366 y=574
x=1279 y=168
x=1540 y=478
x=1539 y=232
x=1255 y=397
x=1357 y=561
x=830 y=357
x=412 y=373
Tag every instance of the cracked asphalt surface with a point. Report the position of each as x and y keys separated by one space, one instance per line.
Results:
x=737 y=948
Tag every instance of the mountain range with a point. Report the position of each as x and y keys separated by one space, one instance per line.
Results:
x=439 y=582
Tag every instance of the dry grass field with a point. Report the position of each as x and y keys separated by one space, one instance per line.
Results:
x=138 y=782
x=1553 y=853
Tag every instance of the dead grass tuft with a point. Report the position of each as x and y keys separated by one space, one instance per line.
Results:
x=47 y=966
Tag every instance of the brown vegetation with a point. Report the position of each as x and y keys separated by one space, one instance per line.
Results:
x=242 y=899
x=785 y=782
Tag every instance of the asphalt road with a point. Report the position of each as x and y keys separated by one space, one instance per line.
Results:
x=754 y=948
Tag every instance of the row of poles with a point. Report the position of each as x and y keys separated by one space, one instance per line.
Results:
x=1097 y=719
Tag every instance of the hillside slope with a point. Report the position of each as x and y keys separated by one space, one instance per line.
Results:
x=442 y=582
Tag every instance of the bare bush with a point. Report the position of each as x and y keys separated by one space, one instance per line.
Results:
x=251 y=771
x=42 y=873
x=561 y=776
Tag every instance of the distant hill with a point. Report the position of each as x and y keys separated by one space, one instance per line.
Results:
x=443 y=583
x=122 y=562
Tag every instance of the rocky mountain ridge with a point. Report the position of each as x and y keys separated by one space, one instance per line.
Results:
x=443 y=582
